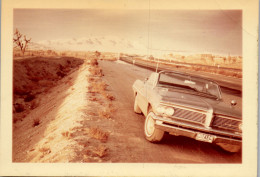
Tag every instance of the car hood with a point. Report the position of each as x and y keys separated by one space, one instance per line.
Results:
x=198 y=102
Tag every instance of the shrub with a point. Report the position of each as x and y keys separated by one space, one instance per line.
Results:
x=95 y=71
x=98 y=134
x=93 y=62
x=36 y=122
x=101 y=151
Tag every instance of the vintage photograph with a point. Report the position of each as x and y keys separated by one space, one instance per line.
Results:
x=127 y=86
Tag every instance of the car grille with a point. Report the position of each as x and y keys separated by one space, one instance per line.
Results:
x=189 y=115
x=225 y=123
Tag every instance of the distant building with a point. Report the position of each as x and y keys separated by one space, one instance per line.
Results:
x=203 y=56
x=174 y=57
x=178 y=57
x=219 y=60
x=206 y=55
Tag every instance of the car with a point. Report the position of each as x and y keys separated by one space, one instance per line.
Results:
x=186 y=105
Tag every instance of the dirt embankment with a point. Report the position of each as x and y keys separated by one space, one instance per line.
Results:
x=63 y=111
x=93 y=135
x=34 y=76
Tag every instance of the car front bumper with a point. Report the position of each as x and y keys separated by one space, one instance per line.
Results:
x=193 y=132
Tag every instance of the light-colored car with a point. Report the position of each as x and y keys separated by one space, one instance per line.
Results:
x=185 y=105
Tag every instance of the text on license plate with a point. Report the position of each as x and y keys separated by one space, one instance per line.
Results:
x=205 y=137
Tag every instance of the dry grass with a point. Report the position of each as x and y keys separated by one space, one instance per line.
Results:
x=34 y=104
x=230 y=73
x=107 y=111
x=95 y=71
x=66 y=134
x=216 y=70
x=45 y=150
x=93 y=62
x=84 y=143
x=93 y=99
x=111 y=108
x=101 y=151
x=98 y=134
x=91 y=113
x=19 y=117
x=90 y=55
x=97 y=87
x=108 y=96
x=91 y=79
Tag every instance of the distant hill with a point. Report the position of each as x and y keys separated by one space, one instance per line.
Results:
x=38 y=46
x=101 y=43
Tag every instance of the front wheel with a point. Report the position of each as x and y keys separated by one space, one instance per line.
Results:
x=152 y=134
x=229 y=148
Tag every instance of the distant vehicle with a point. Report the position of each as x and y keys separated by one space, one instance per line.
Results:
x=185 y=105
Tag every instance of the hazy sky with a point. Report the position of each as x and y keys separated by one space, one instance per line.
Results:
x=177 y=30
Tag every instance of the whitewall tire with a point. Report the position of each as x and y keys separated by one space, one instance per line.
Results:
x=152 y=133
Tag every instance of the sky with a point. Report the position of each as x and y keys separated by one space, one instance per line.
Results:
x=187 y=31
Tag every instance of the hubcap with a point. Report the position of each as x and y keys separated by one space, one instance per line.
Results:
x=150 y=125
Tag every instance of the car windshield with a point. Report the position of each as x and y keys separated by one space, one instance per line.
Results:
x=195 y=84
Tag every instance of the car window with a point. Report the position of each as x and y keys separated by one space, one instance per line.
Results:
x=189 y=82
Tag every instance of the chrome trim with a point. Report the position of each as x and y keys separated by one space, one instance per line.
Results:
x=198 y=128
x=209 y=118
x=186 y=120
x=184 y=107
x=208 y=114
x=195 y=132
x=227 y=117
x=220 y=122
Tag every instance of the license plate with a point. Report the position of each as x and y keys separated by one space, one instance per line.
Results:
x=205 y=137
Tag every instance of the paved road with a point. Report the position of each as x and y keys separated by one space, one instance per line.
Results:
x=131 y=145
x=229 y=84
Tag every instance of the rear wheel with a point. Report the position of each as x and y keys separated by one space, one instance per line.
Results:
x=152 y=133
x=136 y=107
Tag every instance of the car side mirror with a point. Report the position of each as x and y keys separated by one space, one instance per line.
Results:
x=233 y=102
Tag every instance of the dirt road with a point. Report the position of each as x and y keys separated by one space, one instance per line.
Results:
x=129 y=144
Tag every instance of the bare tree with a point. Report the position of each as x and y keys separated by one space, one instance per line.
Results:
x=21 y=41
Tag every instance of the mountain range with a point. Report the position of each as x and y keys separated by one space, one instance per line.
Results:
x=104 y=44
x=101 y=43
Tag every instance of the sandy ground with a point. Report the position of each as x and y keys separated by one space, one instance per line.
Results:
x=85 y=114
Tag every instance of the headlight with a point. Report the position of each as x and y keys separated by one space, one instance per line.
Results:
x=169 y=111
x=165 y=110
x=160 y=109
x=240 y=126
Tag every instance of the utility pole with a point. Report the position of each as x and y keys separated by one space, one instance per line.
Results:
x=157 y=64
